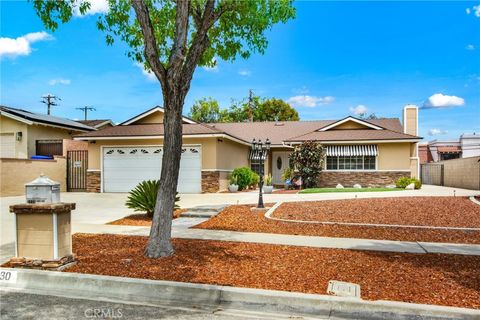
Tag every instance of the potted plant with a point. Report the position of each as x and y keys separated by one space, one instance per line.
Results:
x=233 y=186
x=268 y=187
x=287 y=176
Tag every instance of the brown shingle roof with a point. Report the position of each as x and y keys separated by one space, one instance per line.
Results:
x=153 y=129
x=348 y=135
x=93 y=123
x=277 y=132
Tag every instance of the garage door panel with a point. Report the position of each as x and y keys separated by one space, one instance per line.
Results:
x=125 y=167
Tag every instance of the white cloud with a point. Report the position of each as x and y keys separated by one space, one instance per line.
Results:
x=244 y=73
x=54 y=82
x=96 y=6
x=470 y=47
x=436 y=132
x=475 y=10
x=359 y=110
x=147 y=73
x=20 y=46
x=439 y=100
x=309 y=101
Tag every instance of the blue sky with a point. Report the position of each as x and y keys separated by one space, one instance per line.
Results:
x=334 y=59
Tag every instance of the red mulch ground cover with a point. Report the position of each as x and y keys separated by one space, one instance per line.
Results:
x=240 y=218
x=419 y=211
x=142 y=219
x=452 y=280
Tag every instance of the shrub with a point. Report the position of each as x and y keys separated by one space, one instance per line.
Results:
x=308 y=158
x=143 y=197
x=244 y=176
x=233 y=180
x=287 y=174
x=254 y=180
x=268 y=180
x=403 y=182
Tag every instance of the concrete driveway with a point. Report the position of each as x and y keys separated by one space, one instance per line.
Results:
x=100 y=208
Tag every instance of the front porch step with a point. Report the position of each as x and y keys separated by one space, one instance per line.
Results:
x=216 y=208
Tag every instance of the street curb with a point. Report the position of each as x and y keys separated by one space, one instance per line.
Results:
x=472 y=198
x=153 y=292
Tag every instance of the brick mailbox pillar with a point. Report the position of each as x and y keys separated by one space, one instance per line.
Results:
x=43 y=235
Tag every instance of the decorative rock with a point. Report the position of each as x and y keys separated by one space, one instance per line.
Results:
x=357 y=186
x=37 y=263
x=411 y=186
x=339 y=186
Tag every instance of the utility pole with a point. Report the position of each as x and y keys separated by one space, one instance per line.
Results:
x=250 y=111
x=50 y=100
x=85 y=110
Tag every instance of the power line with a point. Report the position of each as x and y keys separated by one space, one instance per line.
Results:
x=50 y=100
x=85 y=110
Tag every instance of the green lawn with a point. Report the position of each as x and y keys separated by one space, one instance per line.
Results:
x=326 y=190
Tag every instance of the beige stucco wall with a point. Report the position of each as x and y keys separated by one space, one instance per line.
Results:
x=410 y=119
x=156 y=117
x=39 y=132
x=8 y=125
x=14 y=173
x=393 y=156
x=231 y=155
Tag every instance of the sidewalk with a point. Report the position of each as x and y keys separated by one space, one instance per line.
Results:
x=180 y=229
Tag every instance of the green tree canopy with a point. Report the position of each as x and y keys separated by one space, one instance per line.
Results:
x=207 y=110
x=171 y=38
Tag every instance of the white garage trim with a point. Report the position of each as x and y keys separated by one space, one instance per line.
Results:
x=102 y=170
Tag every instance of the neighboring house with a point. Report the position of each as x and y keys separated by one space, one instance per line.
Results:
x=369 y=152
x=24 y=134
x=98 y=123
x=467 y=146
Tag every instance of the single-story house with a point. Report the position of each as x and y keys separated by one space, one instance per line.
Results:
x=369 y=152
x=24 y=134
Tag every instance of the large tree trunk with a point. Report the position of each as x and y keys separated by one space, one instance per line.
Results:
x=159 y=243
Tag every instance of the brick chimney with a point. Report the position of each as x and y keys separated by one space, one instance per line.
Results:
x=410 y=119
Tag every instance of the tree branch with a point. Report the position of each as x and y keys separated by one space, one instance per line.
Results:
x=149 y=42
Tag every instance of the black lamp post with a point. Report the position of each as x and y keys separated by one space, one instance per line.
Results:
x=259 y=152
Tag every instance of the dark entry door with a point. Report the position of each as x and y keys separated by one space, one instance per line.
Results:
x=77 y=164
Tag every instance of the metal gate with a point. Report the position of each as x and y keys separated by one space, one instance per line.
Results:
x=77 y=164
x=432 y=173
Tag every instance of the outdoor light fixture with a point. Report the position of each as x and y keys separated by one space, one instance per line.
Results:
x=19 y=135
x=259 y=154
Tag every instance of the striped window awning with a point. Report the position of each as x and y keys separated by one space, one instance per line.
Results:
x=257 y=155
x=355 y=150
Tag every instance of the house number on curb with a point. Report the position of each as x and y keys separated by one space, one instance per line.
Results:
x=8 y=276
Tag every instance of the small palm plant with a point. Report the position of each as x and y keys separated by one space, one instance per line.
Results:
x=143 y=197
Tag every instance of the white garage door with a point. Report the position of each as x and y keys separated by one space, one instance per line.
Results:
x=125 y=167
x=7 y=145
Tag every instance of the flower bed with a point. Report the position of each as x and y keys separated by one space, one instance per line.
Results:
x=452 y=280
x=240 y=218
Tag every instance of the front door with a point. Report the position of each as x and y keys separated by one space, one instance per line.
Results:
x=279 y=163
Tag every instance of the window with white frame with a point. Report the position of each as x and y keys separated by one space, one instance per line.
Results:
x=347 y=157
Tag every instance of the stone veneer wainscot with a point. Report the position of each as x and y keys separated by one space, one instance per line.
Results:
x=93 y=181
x=329 y=179
x=210 y=181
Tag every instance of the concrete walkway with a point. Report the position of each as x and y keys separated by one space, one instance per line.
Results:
x=181 y=229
